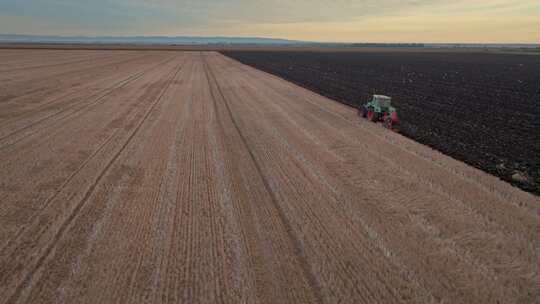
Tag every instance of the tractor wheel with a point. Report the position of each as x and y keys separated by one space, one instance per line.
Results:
x=388 y=122
x=361 y=112
x=371 y=115
x=364 y=111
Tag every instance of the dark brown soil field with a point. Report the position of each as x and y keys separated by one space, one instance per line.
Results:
x=483 y=109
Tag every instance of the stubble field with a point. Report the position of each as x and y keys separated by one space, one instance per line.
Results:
x=187 y=177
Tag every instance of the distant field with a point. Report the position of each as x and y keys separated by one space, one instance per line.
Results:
x=263 y=48
x=483 y=109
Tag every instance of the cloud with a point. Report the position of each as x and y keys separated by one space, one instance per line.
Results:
x=280 y=11
x=346 y=20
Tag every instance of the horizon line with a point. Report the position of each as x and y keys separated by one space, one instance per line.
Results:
x=257 y=38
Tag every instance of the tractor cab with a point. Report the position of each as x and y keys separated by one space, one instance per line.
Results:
x=381 y=102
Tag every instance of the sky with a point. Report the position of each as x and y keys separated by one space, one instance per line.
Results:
x=435 y=21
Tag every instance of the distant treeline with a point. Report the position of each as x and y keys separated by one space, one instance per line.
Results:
x=392 y=45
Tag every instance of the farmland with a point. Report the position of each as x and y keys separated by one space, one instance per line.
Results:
x=186 y=177
x=483 y=109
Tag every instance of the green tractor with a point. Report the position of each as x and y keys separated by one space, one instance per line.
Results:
x=380 y=109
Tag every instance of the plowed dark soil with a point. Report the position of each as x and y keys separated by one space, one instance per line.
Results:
x=483 y=109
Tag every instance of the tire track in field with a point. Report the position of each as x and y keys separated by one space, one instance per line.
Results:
x=370 y=235
x=247 y=283
x=43 y=85
x=46 y=83
x=71 y=177
x=214 y=207
x=210 y=200
x=373 y=235
x=254 y=278
x=166 y=216
x=197 y=211
x=319 y=223
x=85 y=68
x=63 y=227
x=100 y=147
x=51 y=103
x=98 y=100
x=188 y=234
x=246 y=236
x=316 y=289
x=175 y=180
x=23 y=59
x=114 y=86
x=142 y=232
x=105 y=92
x=56 y=64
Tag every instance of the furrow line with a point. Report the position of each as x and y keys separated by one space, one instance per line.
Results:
x=190 y=236
x=210 y=199
x=43 y=206
x=27 y=279
x=42 y=88
x=54 y=65
x=51 y=103
x=297 y=243
x=275 y=133
x=155 y=201
x=85 y=70
x=320 y=224
x=238 y=214
x=169 y=212
x=179 y=183
x=102 y=95
x=249 y=278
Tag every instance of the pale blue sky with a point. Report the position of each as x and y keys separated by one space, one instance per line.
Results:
x=340 y=20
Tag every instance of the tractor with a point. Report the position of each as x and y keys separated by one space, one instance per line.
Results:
x=380 y=109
